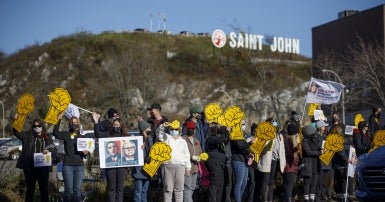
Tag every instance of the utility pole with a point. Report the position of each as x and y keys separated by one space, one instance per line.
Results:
x=3 y=123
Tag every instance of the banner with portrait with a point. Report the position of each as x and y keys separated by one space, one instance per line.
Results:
x=324 y=92
x=121 y=152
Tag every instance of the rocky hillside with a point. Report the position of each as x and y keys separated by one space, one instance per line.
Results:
x=129 y=71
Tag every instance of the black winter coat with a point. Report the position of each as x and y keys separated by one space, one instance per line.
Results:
x=32 y=144
x=310 y=152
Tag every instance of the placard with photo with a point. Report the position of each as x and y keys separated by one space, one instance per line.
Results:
x=121 y=152
x=86 y=144
x=40 y=159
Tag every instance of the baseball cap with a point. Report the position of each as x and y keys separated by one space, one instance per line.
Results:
x=320 y=123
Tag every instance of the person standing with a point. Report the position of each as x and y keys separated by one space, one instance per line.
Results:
x=142 y=180
x=73 y=167
x=190 y=181
x=252 y=168
x=271 y=162
x=115 y=176
x=156 y=118
x=216 y=163
x=106 y=125
x=361 y=138
x=174 y=170
x=325 y=176
x=239 y=155
x=35 y=140
x=310 y=166
x=200 y=125
x=292 y=161
x=375 y=121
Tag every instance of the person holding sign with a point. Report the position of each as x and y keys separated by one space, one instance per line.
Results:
x=174 y=170
x=35 y=140
x=115 y=175
x=73 y=167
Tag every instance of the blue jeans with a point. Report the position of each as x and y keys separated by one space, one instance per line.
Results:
x=240 y=171
x=141 y=188
x=73 y=178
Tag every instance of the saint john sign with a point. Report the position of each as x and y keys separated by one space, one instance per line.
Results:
x=255 y=42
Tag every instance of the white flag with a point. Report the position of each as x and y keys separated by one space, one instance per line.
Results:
x=324 y=92
x=72 y=111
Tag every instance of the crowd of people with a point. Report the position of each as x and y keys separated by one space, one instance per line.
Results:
x=231 y=173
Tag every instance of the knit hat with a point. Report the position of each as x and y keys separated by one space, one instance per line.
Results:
x=308 y=130
x=143 y=125
x=292 y=129
x=111 y=112
x=190 y=125
x=195 y=109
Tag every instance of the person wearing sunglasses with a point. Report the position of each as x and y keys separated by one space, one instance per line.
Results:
x=34 y=140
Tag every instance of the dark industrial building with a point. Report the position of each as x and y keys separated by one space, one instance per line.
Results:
x=345 y=31
x=336 y=35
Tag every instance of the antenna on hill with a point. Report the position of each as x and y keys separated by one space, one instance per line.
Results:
x=159 y=17
x=164 y=22
x=151 y=22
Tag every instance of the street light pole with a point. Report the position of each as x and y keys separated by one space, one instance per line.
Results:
x=224 y=92
x=3 y=123
x=342 y=95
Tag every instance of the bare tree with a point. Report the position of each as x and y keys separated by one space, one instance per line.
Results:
x=368 y=63
x=362 y=70
x=134 y=69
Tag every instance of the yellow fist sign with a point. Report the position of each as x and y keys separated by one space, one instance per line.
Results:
x=333 y=143
x=159 y=153
x=212 y=112
x=378 y=140
x=264 y=132
x=25 y=106
x=60 y=99
x=233 y=117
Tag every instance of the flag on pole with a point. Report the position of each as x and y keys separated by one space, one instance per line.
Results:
x=324 y=92
x=72 y=111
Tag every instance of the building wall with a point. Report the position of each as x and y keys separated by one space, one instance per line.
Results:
x=337 y=34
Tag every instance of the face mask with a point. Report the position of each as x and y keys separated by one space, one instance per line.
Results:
x=116 y=129
x=296 y=117
x=190 y=132
x=243 y=127
x=174 y=132
x=38 y=129
x=198 y=116
x=275 y=124
x=74 y=126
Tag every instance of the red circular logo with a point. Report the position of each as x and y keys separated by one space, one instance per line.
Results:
x=218 y=38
